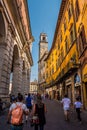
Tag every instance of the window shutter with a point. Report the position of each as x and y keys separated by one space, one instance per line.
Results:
x=83 y=36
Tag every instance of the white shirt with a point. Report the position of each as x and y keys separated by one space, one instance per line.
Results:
x=18 y=103
x=78 y=104
x=66 y=102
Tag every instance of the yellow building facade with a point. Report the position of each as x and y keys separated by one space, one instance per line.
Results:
x=80 y=8
x=63 y=65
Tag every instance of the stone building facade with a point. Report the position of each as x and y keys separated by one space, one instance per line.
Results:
x=33 y=87
x=15 y=41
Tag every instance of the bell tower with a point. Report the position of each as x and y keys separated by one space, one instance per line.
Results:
x=43 y=45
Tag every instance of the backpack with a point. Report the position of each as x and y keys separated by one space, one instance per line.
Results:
x=17 y=115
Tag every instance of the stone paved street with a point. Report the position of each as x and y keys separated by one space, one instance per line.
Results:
x=55 y=119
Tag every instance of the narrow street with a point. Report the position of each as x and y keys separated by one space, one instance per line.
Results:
x=55 y=119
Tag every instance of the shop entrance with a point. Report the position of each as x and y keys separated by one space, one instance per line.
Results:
x=86 y=95
x=69 y=91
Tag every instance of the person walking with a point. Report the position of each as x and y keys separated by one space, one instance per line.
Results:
x=28 y=104
x=39 y=109
x=16 y=113
x=78 y=106
x=1 y=104
x=66 y=106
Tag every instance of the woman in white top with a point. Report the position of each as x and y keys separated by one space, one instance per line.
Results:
x=66 y=106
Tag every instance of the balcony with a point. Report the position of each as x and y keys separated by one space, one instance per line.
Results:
x=65 y=72
x=69 y=69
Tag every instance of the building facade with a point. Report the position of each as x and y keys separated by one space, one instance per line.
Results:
x=80 y=9
x=33 y=87
x=65 y=66
x=15 y=41
x=43 y=51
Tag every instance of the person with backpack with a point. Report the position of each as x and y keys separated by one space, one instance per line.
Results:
x=16 y=113
x=39 y=110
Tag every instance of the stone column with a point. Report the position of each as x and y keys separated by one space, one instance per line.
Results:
x=10 y=46
x=28 y=80
x=17 y=77
x=6 y=51
x=24 y=81
x=3 y=70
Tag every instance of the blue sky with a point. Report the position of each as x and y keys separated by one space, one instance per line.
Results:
x=43 y=18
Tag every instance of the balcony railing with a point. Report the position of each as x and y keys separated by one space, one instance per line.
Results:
x=69 y=68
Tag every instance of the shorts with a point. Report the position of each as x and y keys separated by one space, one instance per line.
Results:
x=16 y=127
x=66 y=109
x=29 y=107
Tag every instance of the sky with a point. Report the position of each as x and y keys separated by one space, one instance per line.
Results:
x=43 y=18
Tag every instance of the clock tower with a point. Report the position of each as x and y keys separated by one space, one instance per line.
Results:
x=43 y=45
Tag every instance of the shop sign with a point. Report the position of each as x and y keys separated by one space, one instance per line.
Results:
x=77 y=84
x=77 y=81
x=68 y=82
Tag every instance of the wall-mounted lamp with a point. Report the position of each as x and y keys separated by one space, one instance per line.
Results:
x=73 y=60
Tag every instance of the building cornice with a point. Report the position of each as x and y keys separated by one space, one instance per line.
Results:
x=42 y=57
x=63 y=4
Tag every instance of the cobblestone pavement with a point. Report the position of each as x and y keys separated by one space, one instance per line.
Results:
x=55 y=119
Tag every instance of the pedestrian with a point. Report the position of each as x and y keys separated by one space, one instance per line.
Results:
x=66 y=106
x=78 y=106
x=39 y=109
x=25 y=96
x=16 y=113
x=28 y=104
x=1 y=104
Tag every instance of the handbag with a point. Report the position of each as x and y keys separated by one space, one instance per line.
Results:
x=35 y=119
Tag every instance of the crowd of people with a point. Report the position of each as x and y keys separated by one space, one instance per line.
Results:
x=32 y=109
x=29 y=108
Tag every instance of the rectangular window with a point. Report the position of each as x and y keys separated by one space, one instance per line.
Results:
x=47 y=75
x=70 y=12
x=72 y=34
x=58 y=45
x=56 y=65
x=65 y=25
x=77 y=10
x=66 y=45
x=81 y=42
x=58 y=62
x=62 y=54
x=61 y=37
x=52 y=70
